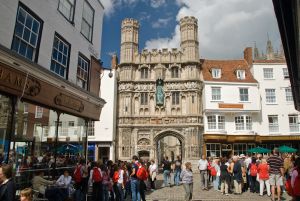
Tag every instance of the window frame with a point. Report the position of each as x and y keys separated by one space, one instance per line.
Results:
x=144 y=98
x=288 y=95
x=144 y=73
x=175 y=98
x=285 y=72
x=216 y=73
x=216 y=97
x=273 y=127
x=270 y=96
x=175 y=72
x=244 y=95
x=240 y=74
x=266 y=74
x=244 y=123
x=68 y=58
x=294 y=126
x=217 y=124
x=73 y=14
x=84 y=58
x=38 y=112
x=38 y=42
x=82 y=19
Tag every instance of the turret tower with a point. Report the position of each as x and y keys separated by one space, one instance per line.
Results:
x=189 y=38
x=129 y=40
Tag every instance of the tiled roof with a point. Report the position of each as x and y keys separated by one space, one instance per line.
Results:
x=228 y=70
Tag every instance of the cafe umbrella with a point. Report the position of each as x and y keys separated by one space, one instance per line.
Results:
x=286 y=149
x=259 y=150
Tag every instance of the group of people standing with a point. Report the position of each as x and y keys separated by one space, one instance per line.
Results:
x=238 y=174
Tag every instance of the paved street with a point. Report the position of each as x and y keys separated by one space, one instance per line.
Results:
x=176 y=193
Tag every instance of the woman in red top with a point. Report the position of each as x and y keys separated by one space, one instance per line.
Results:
x=263 y=174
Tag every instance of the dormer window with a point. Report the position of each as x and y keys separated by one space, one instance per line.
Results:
x=240 y=74
x=216 y=73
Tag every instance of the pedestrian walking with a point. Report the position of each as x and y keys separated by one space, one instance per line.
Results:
x=135 y=184
x=153 y=172
x=96 y=181
x=276 y=172
x=187 y=180
x=166 y=164
x=177 y=171
x=202 y=166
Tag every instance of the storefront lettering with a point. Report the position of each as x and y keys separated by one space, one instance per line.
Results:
x=17 y=81
x=69 y=102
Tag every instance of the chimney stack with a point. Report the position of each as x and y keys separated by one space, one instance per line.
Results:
x=114 y=62
x=248 y=55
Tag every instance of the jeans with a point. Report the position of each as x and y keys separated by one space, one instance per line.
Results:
x=262 y=185
x=203 y=178
x=216 y=180
x=105 y=194
x=79 y=195
x=177 y=177
x=188 y=191
x=135 y=190
x=166 y=175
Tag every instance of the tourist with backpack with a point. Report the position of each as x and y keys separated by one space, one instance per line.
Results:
x=118 y=184
x=253 y=175
x=215 y=173
x=295 y=180
x=96 y=181
x=134 y=181
x=276 y=172
x=263 y=175
x=77 y=177
x=142 y=175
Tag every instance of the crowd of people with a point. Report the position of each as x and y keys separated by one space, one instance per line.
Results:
x=118 y=181
x=255 y=173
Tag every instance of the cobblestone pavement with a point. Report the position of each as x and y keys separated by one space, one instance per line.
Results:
x=176 y=193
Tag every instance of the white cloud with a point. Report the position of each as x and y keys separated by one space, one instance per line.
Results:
x=157 y=3
x=161 y=22
x=225 y=28
x=111 y=5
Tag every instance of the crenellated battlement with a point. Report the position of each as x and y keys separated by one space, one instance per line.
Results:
x=130 y=22
x=164 y=55
x=188 y=20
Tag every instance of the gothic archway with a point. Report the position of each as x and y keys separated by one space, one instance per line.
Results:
x=166 y=133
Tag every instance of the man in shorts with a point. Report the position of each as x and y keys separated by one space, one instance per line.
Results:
x=276 y=172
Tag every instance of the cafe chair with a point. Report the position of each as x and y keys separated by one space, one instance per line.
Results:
x=37 y=196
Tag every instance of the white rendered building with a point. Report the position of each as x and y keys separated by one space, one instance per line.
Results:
x=279 y=119
x=231 y=106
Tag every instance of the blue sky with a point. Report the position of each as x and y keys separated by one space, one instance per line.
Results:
x=225 y=27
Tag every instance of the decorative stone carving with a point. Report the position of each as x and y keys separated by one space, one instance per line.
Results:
x=144 y=141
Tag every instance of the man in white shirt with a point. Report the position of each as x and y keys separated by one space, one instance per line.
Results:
x=202 y=166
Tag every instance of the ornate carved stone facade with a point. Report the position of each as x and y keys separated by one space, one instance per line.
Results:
x=159 y=94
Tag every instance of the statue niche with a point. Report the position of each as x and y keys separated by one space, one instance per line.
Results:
x=160 y=95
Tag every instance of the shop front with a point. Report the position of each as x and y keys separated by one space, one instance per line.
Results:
x=229 y=145
x=43 y=118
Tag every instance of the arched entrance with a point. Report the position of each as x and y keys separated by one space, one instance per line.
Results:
x=169 y=143
x=144 y=155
